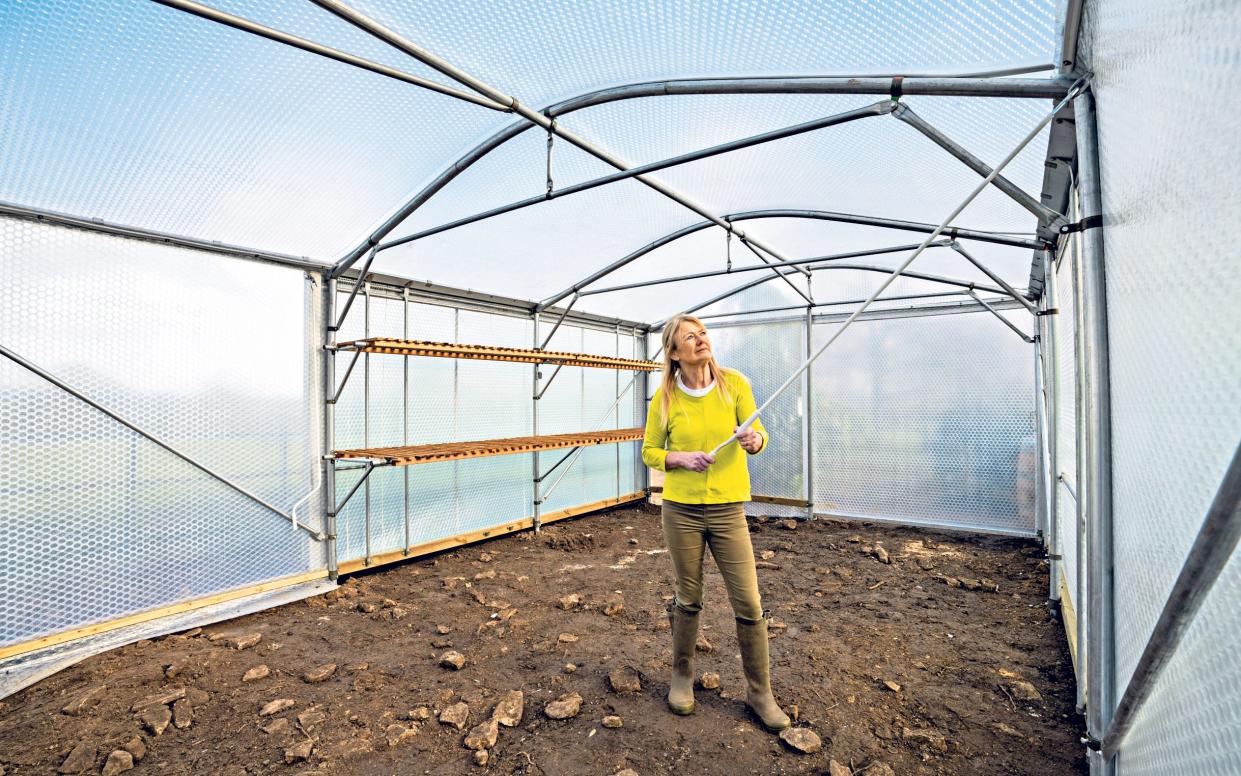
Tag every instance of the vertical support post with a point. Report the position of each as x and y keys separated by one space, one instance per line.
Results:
x=1082 y=604
x=617 y=416
x=327 y=320
x=366 y=408
x=534 y=457
x=1051 y=415
x=1040 y=432
x=1101 y=698
x=807 y=421
x=405 y=416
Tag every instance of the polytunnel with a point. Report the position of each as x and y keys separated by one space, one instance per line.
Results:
x=295 y=292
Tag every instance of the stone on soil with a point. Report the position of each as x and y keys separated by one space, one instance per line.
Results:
x=614 y=608
x=483 y=735
x=625 y=679
x=836 y=769
x=455 y=715
x=564 y=707
x=156 y=719
x=569 y=601
x=443 y=630
x=276 y=706
x=118 y=762
x=176 y=668
x=488 y=574
x=320 y=673
x=709 y=680
x=311 y=717
x=481 y=757
x=702 y=645
x=256 y=673
x=570 y=668
x=136 y=747
x=80 y=759
x=278 y=725
x=420 y=713
x=244 y=641
x=509 y=710
x=366 y=607
x=299 y=751
x=626 y=772
x=84 y=701
x=788 y=525
x=879 y=769
x=801 y=740
x=399 y=734
x=882 y=555
x=567 y=638
x=926 y=738
x=453 y=660
x=182 y=713
x=893 y=686
x=1024 y=691
x=613 y=721
x=160 y=699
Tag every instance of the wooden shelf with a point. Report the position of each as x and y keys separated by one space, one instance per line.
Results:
x=455 y=451
x=490 y=353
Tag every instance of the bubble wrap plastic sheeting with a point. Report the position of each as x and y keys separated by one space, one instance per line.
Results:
x=921 y=420
x=1066 y=422
x=1167 y=137
x=209 y=353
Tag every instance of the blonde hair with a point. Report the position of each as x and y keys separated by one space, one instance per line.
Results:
x=667 y=385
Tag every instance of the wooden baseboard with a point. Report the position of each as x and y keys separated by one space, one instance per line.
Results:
x=448 y=542
x=1069 y=617
x=152 y=614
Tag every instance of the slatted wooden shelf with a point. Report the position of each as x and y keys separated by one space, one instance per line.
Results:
x=401 y=347
x=455 y=451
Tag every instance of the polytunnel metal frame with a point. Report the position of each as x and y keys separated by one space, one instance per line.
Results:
x=1108 y=719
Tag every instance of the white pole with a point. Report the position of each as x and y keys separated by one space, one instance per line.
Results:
x=896 y=273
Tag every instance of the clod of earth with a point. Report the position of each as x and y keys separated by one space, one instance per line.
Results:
x=567 y=638
x=443 y=630
x=299 y=751
x=879 y=769
x=488 y=574
x=482 y=735
x=801 y=740
x=176 y=668
x=709 y=680
x=564 y=707
x=891 y=685
x=509 y=710
x=453 y=660
x=788 y=525
x=85 y=701
x=80 y=759
x=766 y=564
x=481 y=757
x=276 y=706
x=320 y=673
x=702 y=645
x=613 y=721
x=836 y=769
x=455 y=715
x=118 y=762
x=569 y=601
x=882 y=555
x=767 y=554
x=614 y=608
x=256 y=673
x=278 y=725
x=366 y=607
x=485 y=557
x=570 y=668
x=419 y=714
x=625 y=679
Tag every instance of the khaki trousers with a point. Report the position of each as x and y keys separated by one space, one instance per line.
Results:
x=688 y=530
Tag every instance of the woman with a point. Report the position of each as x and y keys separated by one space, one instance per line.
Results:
x=698 y=405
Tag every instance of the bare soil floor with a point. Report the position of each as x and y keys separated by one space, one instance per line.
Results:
x=942 y=660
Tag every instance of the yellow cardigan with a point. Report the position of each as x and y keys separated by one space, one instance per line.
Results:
x=701 y=423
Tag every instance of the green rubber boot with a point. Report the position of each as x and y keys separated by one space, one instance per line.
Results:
x=684 y=636
x=756 y=663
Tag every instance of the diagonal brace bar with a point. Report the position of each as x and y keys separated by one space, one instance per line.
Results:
x=370 y=467
x=956 y=246
x=1045 y=215
x=556 y=465
x=997 y=314
x=357 y=351
x=61 y=384
x=357 y=286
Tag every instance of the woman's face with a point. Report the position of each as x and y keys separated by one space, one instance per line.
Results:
x=692 y=348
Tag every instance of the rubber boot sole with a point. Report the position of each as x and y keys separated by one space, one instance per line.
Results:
x=682 y=711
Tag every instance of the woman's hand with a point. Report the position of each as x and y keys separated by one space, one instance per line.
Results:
x=695 y=462
x=750 y=440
